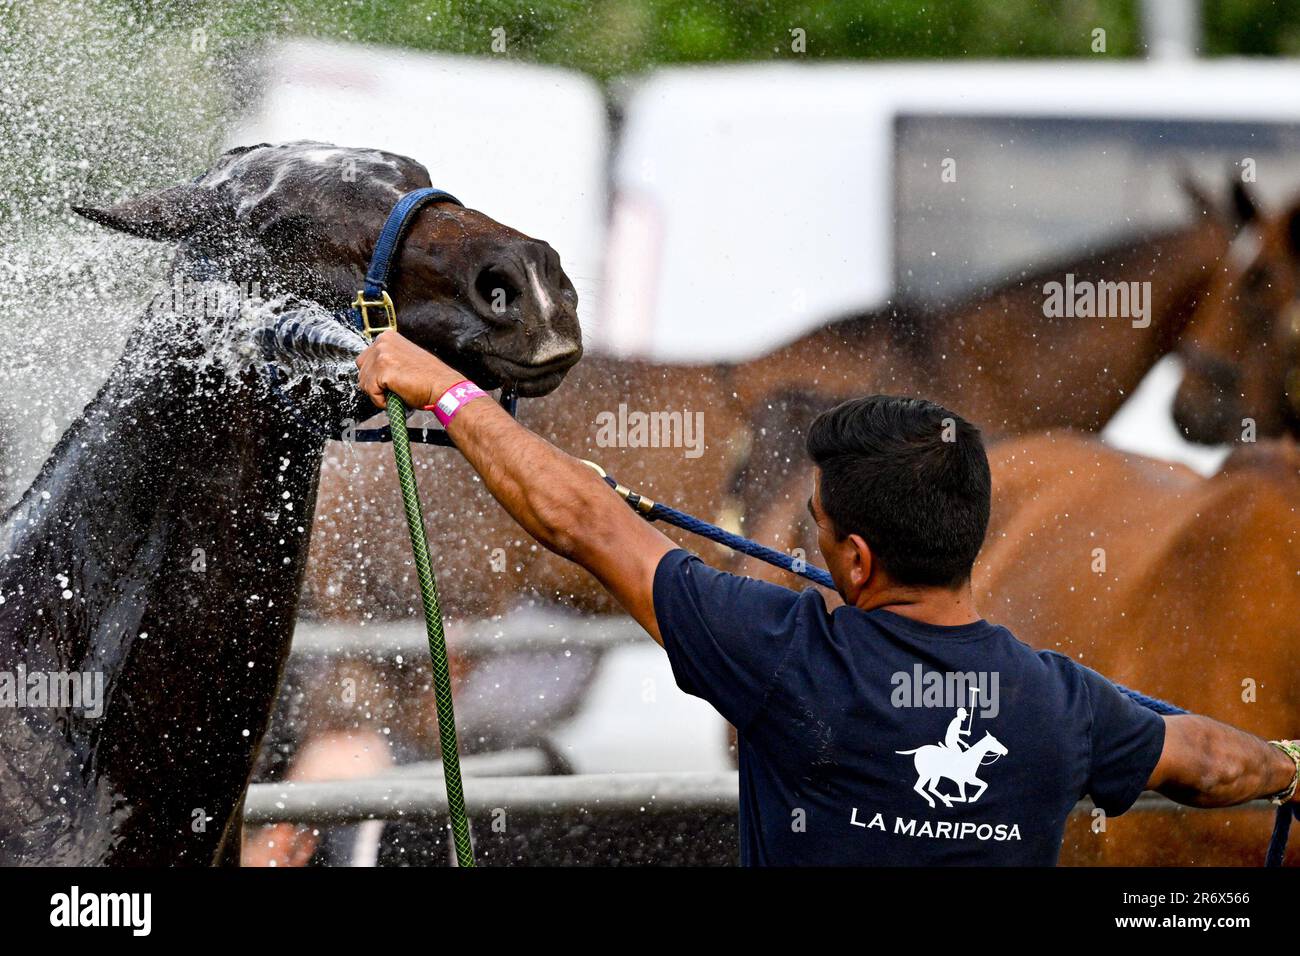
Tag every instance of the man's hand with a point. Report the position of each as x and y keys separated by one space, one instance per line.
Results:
x=398 y=365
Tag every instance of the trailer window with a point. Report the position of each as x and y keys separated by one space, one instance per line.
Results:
x=1027 y=190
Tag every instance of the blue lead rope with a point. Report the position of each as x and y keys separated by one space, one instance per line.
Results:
x=657 y=511
x=680 y=519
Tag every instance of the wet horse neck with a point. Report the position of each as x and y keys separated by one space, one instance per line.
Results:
x=1019 y=367
x=162 y=546
x=175 y=483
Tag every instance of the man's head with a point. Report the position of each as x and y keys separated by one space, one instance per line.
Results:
x=901 y=495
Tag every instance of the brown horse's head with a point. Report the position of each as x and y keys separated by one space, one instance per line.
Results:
x=302 y=219
x=1242 y=348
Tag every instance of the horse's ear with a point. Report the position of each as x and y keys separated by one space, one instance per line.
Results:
x=1243 y=202
x=1202 y=202
x=168 y=214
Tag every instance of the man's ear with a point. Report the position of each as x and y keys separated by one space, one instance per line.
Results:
x=866 y=562
x=170 y=214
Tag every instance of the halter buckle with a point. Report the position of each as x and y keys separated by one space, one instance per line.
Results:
x=362 y=305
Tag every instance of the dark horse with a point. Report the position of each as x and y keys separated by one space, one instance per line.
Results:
x=163 y=543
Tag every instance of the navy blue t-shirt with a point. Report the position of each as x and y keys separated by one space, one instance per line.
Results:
x=860 y=731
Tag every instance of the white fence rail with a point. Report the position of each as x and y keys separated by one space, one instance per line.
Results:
x=422 y=797
x=408 y=798
x=520 y=630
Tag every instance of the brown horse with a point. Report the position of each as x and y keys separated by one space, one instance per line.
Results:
x=1242 y=352
x=1000 y=360
x=1180 y=586
x=159 y=553
x=996 y=356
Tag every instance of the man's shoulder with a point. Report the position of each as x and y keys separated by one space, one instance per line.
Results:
x=726 y=635
x=1053 y=665
x=682 y=571
x=1046 y=656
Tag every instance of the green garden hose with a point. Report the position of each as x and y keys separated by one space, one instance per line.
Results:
x=433 y=625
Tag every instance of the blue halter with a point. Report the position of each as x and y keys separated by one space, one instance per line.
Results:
x=375 y=293
x=375 y=296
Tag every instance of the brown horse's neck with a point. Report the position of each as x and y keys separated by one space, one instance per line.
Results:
x=1017 y=369
x=161 y=546
x=998 y=358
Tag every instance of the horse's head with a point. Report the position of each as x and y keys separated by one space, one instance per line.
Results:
x=1242 y=348
x=992 y=745
x=301 y=219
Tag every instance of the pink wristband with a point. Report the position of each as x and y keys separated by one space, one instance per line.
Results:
x=453 y=400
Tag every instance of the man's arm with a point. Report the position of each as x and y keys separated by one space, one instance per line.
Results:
x=557 y=499
x=1208 y=764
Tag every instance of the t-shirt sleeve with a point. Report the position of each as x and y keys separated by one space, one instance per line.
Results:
x=726 y=635
x=1127 y=739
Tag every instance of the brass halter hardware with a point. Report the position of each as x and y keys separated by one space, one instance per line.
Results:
x=363 y=307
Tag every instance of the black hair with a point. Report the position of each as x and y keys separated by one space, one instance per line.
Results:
x=911 y=478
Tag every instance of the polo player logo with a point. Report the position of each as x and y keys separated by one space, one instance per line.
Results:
x=955 y=759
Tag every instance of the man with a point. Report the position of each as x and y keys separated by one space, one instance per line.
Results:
x=836 y=711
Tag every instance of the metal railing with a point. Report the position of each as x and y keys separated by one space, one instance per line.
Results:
x=406 y=796
x=523 y=781
x=413 y=798
x=520 y=630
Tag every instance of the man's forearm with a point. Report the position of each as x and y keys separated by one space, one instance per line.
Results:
x=547 y=491
x=565 y=505
x=1215 y=765
x=550 y=493
x=556 y=498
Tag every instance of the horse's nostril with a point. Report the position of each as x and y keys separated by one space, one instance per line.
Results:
x=497 y=288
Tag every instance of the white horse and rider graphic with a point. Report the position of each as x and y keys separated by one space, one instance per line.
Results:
x=955 y=759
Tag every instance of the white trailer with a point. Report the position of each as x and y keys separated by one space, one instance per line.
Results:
x=754 y=203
